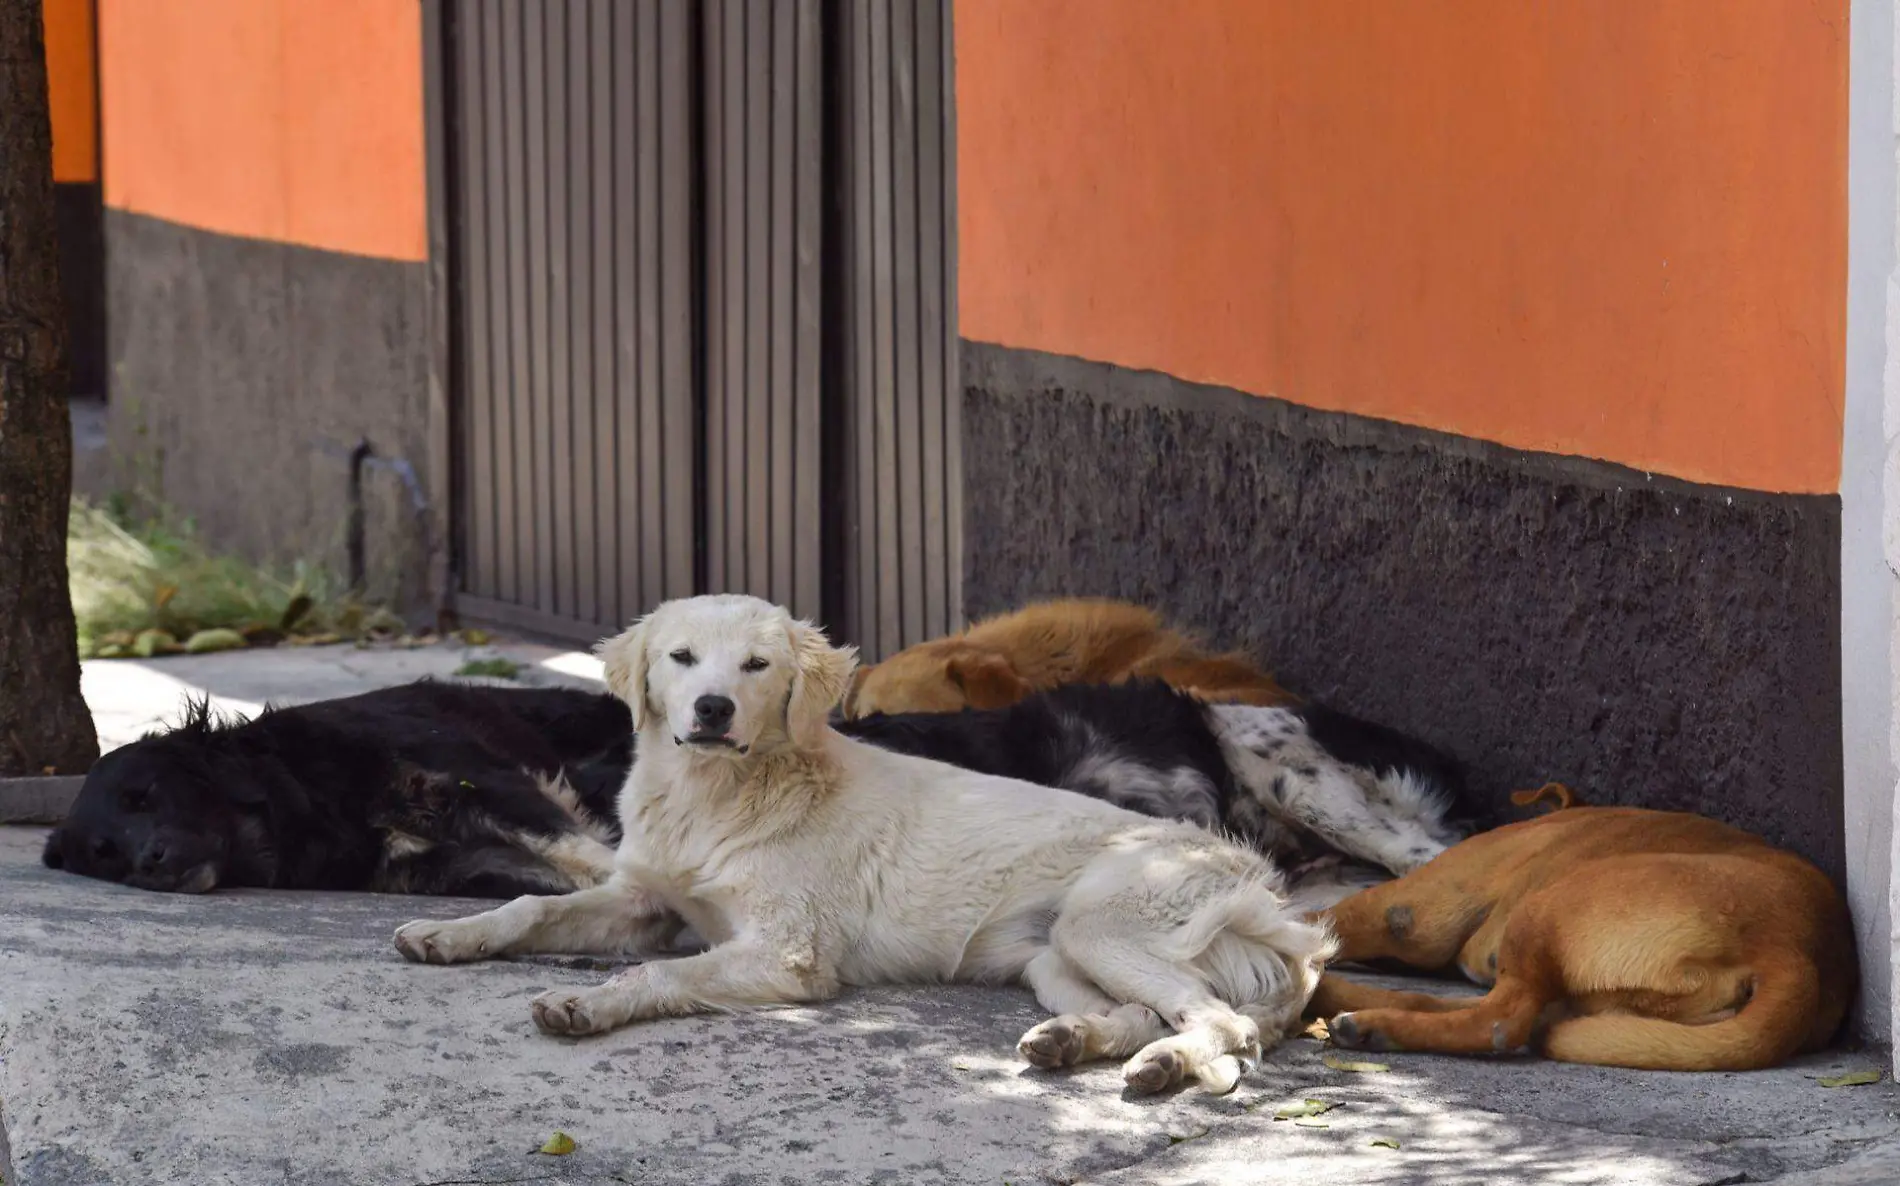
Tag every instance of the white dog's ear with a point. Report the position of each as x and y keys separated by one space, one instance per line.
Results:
x=822 y=674
x=624 y=658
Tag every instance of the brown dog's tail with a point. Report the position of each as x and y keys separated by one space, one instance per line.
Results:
x=1564 y=796
x=1771 y=1027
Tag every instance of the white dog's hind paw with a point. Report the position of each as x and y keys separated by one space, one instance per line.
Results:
x=1156 y=1068
x=432 y=941
x=567 y=1012
x=1058 y=1042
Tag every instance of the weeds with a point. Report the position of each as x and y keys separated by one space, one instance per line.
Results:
x=496 y=668
x=148 y=585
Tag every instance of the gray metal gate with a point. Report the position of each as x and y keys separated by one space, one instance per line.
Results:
x=700 y=272
x=902 y=405
x=764 y=163
x=576 y=400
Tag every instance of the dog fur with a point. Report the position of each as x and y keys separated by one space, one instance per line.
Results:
x=1607 y=935
x=428 y=788
x=1000 y=660
x=812 y=861
x=1301 y=784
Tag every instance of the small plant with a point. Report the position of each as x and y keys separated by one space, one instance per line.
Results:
x=496 y=668
x=149 y=586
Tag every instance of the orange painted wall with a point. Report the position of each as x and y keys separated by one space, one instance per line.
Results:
x=72 y=88
x=294 y=120
x=1605 y=228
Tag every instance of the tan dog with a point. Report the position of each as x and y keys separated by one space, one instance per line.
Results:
x=999 y=661
x=1609 y=935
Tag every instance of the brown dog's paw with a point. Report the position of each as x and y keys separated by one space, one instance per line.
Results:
x=1349 y=1033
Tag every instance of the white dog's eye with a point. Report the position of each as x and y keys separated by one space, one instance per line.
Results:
x=683 y=657
x=753 y=664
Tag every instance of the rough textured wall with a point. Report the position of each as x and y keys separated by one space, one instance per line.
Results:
x=1649 y=642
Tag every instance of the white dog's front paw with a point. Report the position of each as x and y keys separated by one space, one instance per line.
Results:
x=432 y=941
x=573 y=1013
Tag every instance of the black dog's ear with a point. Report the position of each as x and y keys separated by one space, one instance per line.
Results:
x=53 y=855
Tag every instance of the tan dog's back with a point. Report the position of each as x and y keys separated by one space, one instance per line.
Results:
x=1645 y=938
x=1000 y=660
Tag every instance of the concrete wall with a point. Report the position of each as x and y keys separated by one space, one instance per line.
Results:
x=1648 y=641
x=1870 y=509
x=266 y=237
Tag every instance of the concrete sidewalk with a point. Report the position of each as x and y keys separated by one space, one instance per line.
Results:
x=249 y=1038
x=130 y=697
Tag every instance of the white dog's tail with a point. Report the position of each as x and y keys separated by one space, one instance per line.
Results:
x=1255 y=950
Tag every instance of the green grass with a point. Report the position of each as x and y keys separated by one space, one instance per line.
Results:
x=153 y=573
x=496 y=668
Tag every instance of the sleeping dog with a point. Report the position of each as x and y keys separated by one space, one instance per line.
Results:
x=429 y=788
x=1303 y=784
x=486 y=792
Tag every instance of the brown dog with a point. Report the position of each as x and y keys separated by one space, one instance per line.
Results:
x=997 y=662
x=1608 y=935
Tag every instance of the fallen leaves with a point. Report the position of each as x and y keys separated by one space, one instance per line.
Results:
x=558 y=1145
x=218 y=639
x=1852 y=1079
x=1384 y=1143
x=1304 y=1109
x=1347 y=1064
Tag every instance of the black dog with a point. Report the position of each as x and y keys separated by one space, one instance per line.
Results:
x=428 y=788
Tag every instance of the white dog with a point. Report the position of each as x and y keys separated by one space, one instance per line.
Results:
x=810 y=861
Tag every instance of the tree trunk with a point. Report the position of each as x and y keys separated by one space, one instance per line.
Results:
x=44 y=724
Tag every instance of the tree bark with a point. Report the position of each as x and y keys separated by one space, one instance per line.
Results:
x=44 y=724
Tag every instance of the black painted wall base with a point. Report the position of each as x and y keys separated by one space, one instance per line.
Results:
x=1647 y=641
x=246 y=374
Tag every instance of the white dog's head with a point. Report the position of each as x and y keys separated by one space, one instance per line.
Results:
x=726 y=675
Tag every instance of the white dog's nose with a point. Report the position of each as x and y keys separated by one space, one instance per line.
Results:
x=713 y=713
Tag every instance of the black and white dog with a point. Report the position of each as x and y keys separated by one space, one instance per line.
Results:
x=1306 y=785
x=434 y=788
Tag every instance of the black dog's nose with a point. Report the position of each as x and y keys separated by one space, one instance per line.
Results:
x=713 y=713
x=153 y=856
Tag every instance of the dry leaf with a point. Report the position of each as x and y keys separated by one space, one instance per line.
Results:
x=218 y=639
x=1346 y=1064
x=1304 y=1108
x=1384 y=1143
x=1195 y=1135
x=1317 y=1031
x=558 y=1145
x=1311 y=1122
x=162 y=597
x=1852 y=1079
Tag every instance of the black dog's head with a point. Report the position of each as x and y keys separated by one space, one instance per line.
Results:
x=163 y=813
